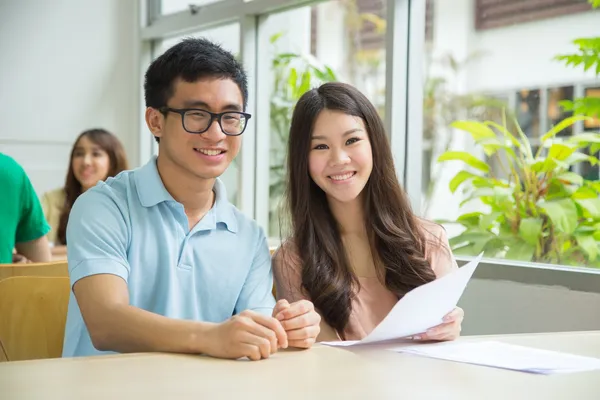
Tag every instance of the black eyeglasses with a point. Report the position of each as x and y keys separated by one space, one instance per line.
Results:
x=195 y=120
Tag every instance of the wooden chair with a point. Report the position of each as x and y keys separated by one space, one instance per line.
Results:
x=57 y=268
x=33 y=312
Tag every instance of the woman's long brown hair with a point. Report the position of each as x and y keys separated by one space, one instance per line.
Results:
x=118 y=162
x=396 y=236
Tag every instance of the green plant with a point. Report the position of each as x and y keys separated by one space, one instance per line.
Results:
x=588 y=56
x=543 y=212
x=442 y=104
x=293 y=75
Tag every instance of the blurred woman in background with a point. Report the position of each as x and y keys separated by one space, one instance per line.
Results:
x=96 y=156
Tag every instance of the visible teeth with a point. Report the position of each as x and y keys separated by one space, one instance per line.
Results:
x=342 y=177
x=209 y=152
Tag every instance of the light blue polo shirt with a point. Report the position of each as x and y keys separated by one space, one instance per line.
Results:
x=132 y=227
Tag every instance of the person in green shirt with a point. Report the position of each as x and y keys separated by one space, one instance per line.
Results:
x=22 y=223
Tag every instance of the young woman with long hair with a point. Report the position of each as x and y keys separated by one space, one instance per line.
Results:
x=96 y=155
x=356 y=247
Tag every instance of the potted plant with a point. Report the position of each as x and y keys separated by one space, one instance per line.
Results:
x=543 y=211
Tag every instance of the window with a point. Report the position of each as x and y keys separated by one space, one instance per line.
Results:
x=335 y=40
x=174 y=6
x=593 y=92
x=501 y=67
x=555 y=112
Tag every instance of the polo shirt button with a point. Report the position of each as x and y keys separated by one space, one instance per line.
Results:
x=185 y=266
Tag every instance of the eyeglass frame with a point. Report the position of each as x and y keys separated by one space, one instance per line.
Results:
x=213 y=117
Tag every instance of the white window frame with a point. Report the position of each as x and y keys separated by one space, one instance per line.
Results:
x=404 y=92
x=405 y=36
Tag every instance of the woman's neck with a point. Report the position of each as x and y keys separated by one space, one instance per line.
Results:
x=349 y=216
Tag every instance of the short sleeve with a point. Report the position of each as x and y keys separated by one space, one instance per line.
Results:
x=32 y=223
x=287 y=273
x=257 y=292
x=438 y=251
x=98 y=236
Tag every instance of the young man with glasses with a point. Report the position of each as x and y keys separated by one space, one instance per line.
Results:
x=159 y=259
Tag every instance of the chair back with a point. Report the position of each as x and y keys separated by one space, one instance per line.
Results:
x=56 y=268
x=33 y=313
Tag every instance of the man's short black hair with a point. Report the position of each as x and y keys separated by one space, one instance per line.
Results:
x=191 y=59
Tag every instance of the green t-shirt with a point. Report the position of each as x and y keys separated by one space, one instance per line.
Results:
x=21 y=215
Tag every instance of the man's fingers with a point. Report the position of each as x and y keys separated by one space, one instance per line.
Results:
x=271 y=324
x=251 y=351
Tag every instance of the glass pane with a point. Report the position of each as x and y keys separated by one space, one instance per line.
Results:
x=335 y=40
x=593 y=124
x=556 y=112
x=528 y=112
x=501 y=77
x=227 y=36
x=174 y=6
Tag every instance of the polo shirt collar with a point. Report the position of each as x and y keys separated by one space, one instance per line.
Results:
x=152 y=191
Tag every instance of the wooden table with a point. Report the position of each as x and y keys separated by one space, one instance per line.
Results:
x=320 y=373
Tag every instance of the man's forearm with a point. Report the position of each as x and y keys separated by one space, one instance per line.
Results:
x=127 y=329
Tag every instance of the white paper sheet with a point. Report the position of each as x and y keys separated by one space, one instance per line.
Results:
x=504 y=355
x=420 y=309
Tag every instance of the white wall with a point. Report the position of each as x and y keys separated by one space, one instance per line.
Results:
x=521 y=56
x=67 y=65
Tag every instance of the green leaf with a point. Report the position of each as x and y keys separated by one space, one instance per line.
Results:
x=565 y=123
x=592 y=206
x=571 y=177
x=560 y=152
x=330 y=74
x=589 y=245
x=556 y=155
x=477 y=130
x=584 y=138
x=459 y=178
x=530 y=230
x=487 y=220
x=292 y=80
x=589 y=63
x=585 y=192
x=562 y=213
x=470 y=219
x=305 y=85
x=567 y=105
x=473 y=241
x=578 y=157
x=275 y=37
x=521 y=251
x=557 y=190
x=465 y=157
x=526 y=144
x=505 y=132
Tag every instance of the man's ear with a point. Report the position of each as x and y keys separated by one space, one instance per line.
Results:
x=155 y=121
